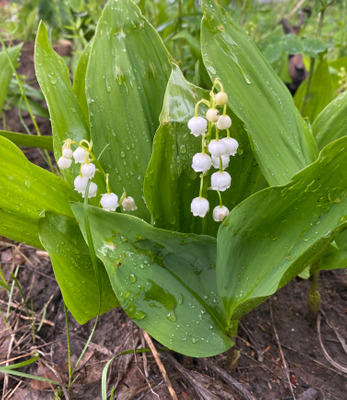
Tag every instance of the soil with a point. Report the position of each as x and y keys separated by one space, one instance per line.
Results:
x=278 y=355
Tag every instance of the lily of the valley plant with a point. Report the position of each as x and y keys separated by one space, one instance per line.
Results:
x=201 y=204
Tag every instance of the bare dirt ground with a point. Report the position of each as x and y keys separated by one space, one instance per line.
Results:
x=278 y=355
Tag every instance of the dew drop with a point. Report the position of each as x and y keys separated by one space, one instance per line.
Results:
x=171 y=316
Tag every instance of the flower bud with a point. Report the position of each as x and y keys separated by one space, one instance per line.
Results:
x=217 y=148
x=128 y=204
x=224 y=122
x=199 y=207
x=220 y=213
x=88 y=170
x=221 y=98
x=212 y=115
x=80 y=183
x=197 y=126
x=80 y=155
x=67 y=152
x=201 y=162
x=220 y=181
x=231 y=146
x=64 y=163
x=216 y=161
x=109 y=201
x=93 y=188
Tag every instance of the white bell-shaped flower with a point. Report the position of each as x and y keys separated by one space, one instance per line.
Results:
x=93 y=188
x=220 y=213
x=199 y=207
x=67 y=152
x=80 y=183
x=216 y=161
x=64 y=163
x=220 y=99
x=212 y=115
x=224 y=122
x=201 y=162
x=80 y=155
x=217 y=148
x=88 y=170
x=220 y=181
x=197 y=125
x=128 y=204
x=109 y=201
x=231 y=146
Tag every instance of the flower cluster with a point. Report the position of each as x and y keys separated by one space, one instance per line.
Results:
x=89 y=166
x=215 y=152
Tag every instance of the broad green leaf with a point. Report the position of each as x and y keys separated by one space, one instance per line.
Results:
x=257 y=96
x=22 y=139
x=313 y=47
x=335 y=257
x=270 y=237
x=321 y=92
x=292 y=44
x=126 y=79
x=73 y=269
x=171 y=183
x=331 y=123
x=27 y=190
x=165 y=281
x=6 y=70
x=79 y=84
x=271 y=48
x=65 y=111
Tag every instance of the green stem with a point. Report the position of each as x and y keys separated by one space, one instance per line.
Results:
x=314 y=298
x=201 y=184
x=202 y=101
x=220 y=198
x=68 y=343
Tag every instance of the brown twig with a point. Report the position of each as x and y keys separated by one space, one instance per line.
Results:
x=160 y=365
x=295 y=9
x=284 y=362
x=238 y=387
x=340 y=338
x=326 y=354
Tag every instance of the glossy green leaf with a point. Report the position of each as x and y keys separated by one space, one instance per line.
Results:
x=165 y=281
x=73 y=269
x=271 y=237
x=27 y=190
x=331 y=123
x=171 y=183
x=321 y=92
x=279 y=140
x=6 y=70
x=22 y=139
x=79 y=84
x=126 y=79
x=65 y=111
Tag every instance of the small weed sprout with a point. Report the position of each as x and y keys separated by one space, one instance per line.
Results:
x=215 y=152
